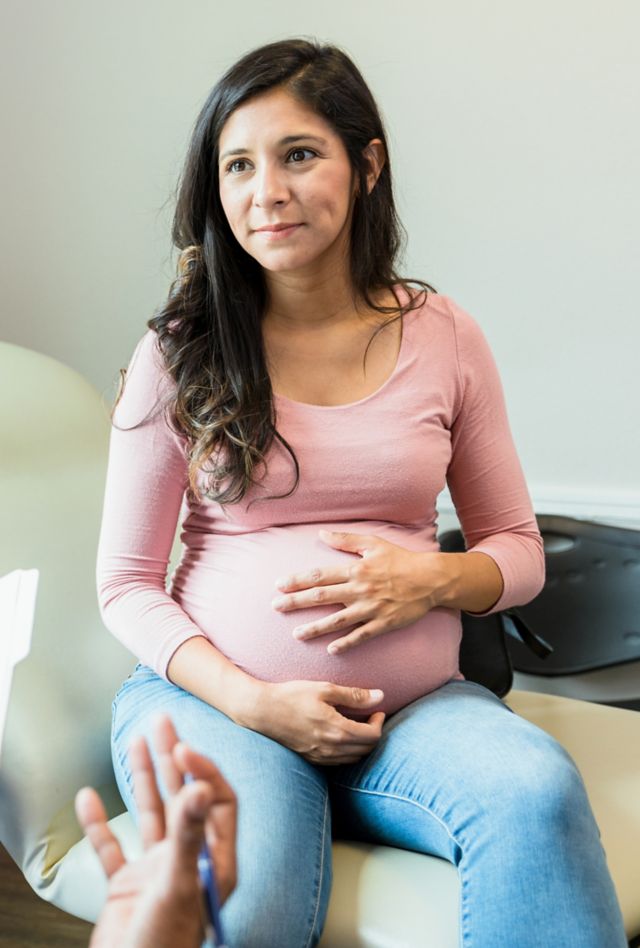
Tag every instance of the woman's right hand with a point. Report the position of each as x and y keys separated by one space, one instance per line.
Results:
x=302 y=715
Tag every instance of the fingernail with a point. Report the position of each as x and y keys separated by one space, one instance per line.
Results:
x=376 y=694
x=278 y=602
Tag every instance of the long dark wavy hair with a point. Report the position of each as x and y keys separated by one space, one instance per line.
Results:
x=209 y=328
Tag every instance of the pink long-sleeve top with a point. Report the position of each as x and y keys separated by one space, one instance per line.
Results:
x=374 y=466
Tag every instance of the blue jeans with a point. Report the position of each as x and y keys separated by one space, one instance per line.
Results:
x=455 y=773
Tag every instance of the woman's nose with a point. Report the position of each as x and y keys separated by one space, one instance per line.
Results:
x=270 y=187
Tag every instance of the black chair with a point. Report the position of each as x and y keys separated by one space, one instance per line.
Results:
x=588 y=612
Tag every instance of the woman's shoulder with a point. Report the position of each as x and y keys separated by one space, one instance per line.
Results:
x=439 y=310
x=441 y=304
x=446 y=335
x=147 y=382
x=455 y=320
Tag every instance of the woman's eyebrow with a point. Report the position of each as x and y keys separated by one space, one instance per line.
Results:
x=287 y=140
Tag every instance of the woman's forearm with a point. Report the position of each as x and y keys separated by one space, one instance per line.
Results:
x=474 y=582
x=201 y=669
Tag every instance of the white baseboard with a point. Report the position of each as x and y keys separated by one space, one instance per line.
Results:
x=621 y=508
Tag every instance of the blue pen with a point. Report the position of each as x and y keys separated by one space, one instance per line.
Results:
x=213 y=927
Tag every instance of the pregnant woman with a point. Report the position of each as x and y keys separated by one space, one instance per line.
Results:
x=297 y=406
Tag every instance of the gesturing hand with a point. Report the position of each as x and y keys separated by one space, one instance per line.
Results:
x=387 y=588
x=156 y=900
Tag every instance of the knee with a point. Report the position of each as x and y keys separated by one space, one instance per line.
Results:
x=545 y=788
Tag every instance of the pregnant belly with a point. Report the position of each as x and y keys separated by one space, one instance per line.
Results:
x=227 y=589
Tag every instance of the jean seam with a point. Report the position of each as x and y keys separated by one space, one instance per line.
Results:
x=464 y=931
x=321 y=869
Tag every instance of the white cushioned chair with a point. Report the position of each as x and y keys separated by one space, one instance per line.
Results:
x=54 y=429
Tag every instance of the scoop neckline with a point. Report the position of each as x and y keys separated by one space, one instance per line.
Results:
x=399 y=363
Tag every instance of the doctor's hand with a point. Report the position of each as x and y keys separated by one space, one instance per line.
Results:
x=303 y=716
x=387 y=587
x=155 y=900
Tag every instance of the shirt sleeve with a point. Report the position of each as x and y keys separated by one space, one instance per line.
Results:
x=145 y=485
x=485 y=477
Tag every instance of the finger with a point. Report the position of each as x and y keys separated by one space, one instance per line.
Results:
x=366 y=731
x=359 y=636
x=351 y=748
x=165 y=739
x=343 y=592
x=326 y=576
x=151 y=817
x=352 y=697
x=361 y=733
x=374 y=721
x=352 y=542
x=200 y=767
x=221 y=824
x=187 y=813
x=92 y=817
x=377 y=719
x=336 y=622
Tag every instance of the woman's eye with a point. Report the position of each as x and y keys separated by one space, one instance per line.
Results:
x=233 y=166
x=238 y=161
x=301 y=151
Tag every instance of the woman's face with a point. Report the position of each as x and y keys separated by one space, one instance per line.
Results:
x=281 y=163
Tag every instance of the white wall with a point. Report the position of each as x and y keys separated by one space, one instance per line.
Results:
x=515 y=144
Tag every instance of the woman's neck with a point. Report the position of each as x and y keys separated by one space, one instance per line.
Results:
x=296 y=302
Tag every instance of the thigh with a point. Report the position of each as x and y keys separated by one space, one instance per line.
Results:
x=459 y=775
x=284 y=820
x=445 y=759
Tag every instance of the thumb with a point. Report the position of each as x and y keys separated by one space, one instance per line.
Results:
x=357 y=697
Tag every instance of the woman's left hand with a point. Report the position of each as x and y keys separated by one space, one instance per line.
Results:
x=387 y=588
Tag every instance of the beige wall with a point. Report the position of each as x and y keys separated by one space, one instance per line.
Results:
x=516 y=156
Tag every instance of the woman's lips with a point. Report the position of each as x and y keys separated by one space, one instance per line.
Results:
x=278 y=234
